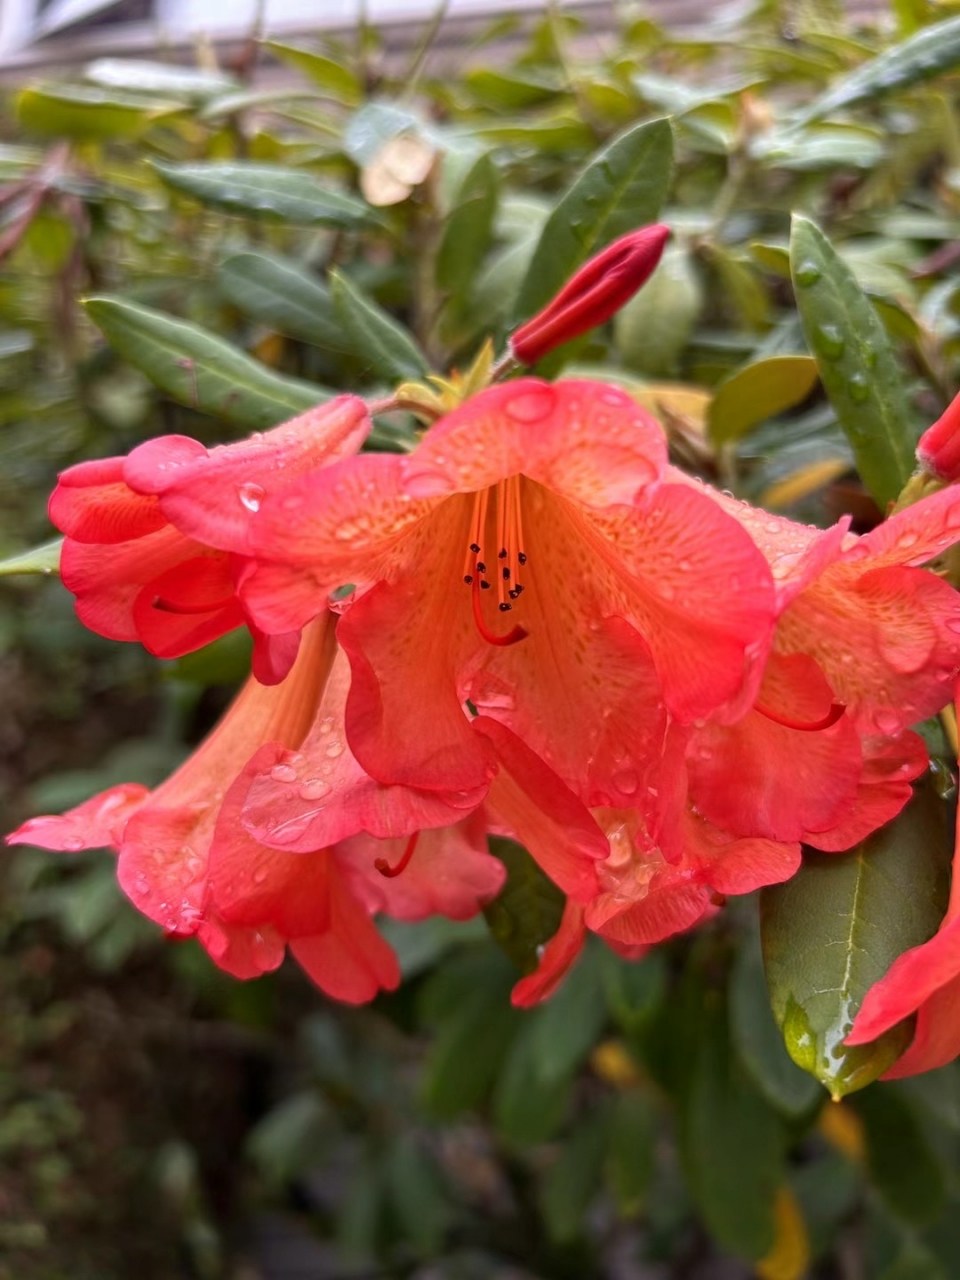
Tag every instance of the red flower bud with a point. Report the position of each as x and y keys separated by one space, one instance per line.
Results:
x=594 y=294
x=939 y=446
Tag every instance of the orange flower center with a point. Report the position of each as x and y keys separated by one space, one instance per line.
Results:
x=500 y=562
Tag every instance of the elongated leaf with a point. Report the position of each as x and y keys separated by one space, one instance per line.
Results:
x=520 y=1080
x=573 y=1180
x=268 y=191
x=466 y=235
x=856 y=362
x=199 y=369
x=725 y=1119
x=623 y=187
x=902 y=1163
x=87 y=112
x=834 y=930
x=280 y=293
x=926 y=54
x=630 y=1151
x=386 y=346
x=333 y=77
x=44 y=559
x=526 y=913
x=760 y=391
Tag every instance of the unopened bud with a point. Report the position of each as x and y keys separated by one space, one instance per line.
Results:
x=939 y=446
x=597 y=291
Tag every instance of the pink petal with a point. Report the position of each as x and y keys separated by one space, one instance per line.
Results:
x=92 y=503
x=98 y=823
x=555 y=963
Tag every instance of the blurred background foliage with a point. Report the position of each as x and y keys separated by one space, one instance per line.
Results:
x=207 y=250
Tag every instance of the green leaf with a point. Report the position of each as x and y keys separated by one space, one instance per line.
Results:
x=834 y=930
x=623 y=187
x=381 y=342
x=334 y=78
x=269 y=191
x=631 y=1151
x=572 y=1181
x=732 y=1146
x=634 y=988
x=572 y=1020
x=417 y=1193
x=926 y=54
x=759 y=391
x=43 y=559
x=197 y=368
x=652 y=330
x=467 y=232
x=757 y=1039
x=87 y=113
x=901 y=1161
x=282 y=294
x=521 y=1080
x=856 y=362
x=526 y=913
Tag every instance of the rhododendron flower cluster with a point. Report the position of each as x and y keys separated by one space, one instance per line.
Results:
x=530 y=626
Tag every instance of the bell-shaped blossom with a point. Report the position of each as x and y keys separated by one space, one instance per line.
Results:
x=867 y=643
x=531 y=561
x=156 y=541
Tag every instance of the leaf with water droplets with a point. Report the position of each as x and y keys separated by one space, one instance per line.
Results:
x=834 y=930
x=855 y=360
x=925 y=54
x=44 y=559
x=388 y=348
x=623 y=187
x=200 y=369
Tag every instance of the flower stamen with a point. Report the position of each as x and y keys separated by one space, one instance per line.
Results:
x=384 y=867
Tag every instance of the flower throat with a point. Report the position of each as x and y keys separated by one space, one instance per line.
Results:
x=481 y=569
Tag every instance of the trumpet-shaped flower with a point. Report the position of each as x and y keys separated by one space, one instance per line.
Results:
x=866 y=644
x=530 y=559
x=133 y=557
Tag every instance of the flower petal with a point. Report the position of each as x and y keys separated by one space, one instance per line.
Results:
x=241 y=952
x=587 y=441
x=761 y=778
x=214 y=495
x=450 y=872
x=170 y=614
x=555 y=963
x=915 y=535
x=889 y=767
x=92 y=503
x=543 y=813
x=98 y=823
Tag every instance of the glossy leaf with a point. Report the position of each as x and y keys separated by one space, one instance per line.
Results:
x=198 y=368
x=139 y=75
x=572 y=1181
x=928 y=53
x=85 y=112
x=521 y=1079
x=760 y=391
x=284 y=295
x=44 y=559
x=572 y=1020
x=757 y=1039
x=834 y=930
x=623 y=187
x=467 y=231
x=856 y=362
x=526 y=913
x=269 y=191
x=384 y=345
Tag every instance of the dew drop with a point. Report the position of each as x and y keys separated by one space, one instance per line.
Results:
x=283 y=773
x=73 y=845
x=259 y=875
x=313 y=789
x=808 y=273
x=829 y=341
x=141 y=885
x=334 y=749
x=626 y=781
x=859 y=387
x=251 y=495
x=531 y=406
x=888 y=721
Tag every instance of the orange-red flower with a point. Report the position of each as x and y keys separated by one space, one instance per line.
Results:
x=155 y=541
x=531 y=561
x=939 y=447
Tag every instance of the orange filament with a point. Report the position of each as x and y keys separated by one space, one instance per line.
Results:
x=503 y=559
x=384 y=867
x=169 y=606
x=830 y=719
x=511 y=637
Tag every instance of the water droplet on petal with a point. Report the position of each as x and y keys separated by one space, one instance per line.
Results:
x=283 y=773
x=251 y=495
x=334 y=748
x=887 y=721
x=73 y=844
x=531 y=406
x=313 y=789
